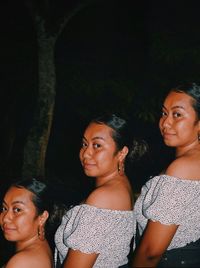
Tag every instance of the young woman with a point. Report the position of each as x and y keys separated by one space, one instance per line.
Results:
x=168 y=209
x=27 y=211
x=98 y=232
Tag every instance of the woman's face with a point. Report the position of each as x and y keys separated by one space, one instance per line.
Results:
x=179 y=125
x=98 y=154
x=19 y=220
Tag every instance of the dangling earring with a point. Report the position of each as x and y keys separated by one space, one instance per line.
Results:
x=120 y=168
x=41 y=232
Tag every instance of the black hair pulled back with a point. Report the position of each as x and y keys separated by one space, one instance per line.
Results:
x=123 y=136
x=193 y=90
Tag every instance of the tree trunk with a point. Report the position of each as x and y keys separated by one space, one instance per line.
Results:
x=37 y=140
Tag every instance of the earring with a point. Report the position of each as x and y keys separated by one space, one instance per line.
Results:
x=199 y=137
x=120 y=168
x=41 y=232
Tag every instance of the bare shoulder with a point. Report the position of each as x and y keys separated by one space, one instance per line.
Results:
x=111 y=196
x=186 y=167
x=20 y=260
x=26 y=259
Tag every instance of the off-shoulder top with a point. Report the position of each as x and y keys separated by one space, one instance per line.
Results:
x=171 y=200
x=94 y=230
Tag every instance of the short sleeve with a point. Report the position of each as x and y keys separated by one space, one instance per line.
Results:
x=93 y=227
x=171 y=200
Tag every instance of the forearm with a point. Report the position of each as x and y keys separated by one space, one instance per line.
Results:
x=154 y=242
x=144 y=260
x=78 y=259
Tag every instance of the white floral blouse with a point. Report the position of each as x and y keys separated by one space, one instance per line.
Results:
x=94 y=230
x=171 y=200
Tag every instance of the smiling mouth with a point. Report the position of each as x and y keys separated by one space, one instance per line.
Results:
x=88 y=166
x=167 y=134
x=8 y=230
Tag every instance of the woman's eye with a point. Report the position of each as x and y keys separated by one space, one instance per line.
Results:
x=17 y=210
x=176 y=114
x=83 y=145
x=3 y=209
x=97 y=145
x=163 y=114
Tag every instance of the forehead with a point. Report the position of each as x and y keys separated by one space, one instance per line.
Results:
x=95 y=130
x=15 y=194
x=176 y=99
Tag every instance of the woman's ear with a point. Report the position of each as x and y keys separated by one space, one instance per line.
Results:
x=43 y=217
x=123 y=153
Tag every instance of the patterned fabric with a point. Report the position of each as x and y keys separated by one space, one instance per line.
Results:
x=171 y=200
x=94 y=230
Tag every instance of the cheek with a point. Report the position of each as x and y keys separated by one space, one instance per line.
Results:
x=184 y=128
x=29 y=221
x=107 y=159
x=186 y=131
x=28 y=226
x=23 y=221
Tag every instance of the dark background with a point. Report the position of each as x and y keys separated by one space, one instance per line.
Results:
x=108 y=54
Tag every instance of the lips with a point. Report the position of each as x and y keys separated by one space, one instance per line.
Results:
x=167 y=134
x=88 y=165
x=8 y=230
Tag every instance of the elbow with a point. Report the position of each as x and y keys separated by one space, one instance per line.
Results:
x=153 y=255
x=146 y=258
x=154 y=258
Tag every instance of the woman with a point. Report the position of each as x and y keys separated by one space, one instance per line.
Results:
x=168 y=209
x=98 y=232
x=27 y=210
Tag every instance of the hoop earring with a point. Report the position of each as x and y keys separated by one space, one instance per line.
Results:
x=120 y=168
x=41 y=232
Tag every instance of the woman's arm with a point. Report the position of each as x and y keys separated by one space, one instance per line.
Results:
x=153 y=244
x=78 y=259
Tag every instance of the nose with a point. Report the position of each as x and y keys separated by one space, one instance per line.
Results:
x=165 y=122
x=6 y=216
x=86 y=152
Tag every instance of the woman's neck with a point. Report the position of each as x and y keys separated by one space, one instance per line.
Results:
x=190 y=149
x=22 y=245
x=100 y=181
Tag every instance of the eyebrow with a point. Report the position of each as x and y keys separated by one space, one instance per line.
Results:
x=95 y=138
x=15 y=202
x=175 y=107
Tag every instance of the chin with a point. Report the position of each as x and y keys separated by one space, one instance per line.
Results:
x=169 y=144
x=89 y=173
x=9 y=238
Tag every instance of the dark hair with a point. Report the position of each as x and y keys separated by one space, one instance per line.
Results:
x=193 y=90
x=44 y=198
x=121 y=134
